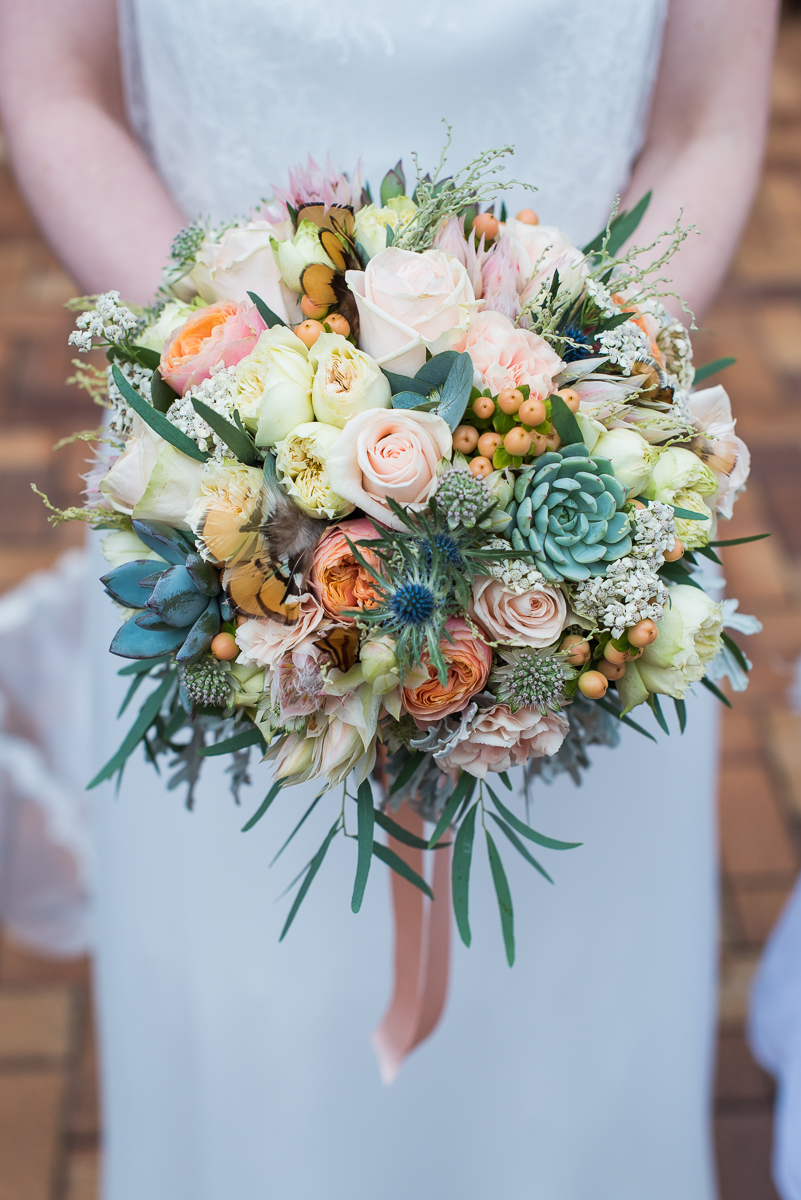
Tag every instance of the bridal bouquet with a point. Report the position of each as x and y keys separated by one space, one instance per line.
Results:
x=409 y=490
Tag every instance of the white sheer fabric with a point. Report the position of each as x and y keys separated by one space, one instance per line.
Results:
x=44 y=714
x=233 y=1066
x=775 y=1035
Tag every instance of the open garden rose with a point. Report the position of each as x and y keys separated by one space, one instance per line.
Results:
x=300 y=461
x=337 y=579
x=389 y=454
x=151 y=480
x=241 y=260
x=468 y=660
x=214 y=337
x=228 y=494
x=499 y=739
x=274 y=386
x=531 y=618
x=409 y=303
x=504 y=356
x=346 y=381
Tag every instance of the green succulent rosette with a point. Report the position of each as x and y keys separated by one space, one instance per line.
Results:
x=567 y=508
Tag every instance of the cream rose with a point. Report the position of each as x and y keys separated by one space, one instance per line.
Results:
x=409 y=303
x=151 y=480
x=533 y=618
x=241 y=260
x=346 y=381
x=228 y=495
x=274 y=385
x=372 y=223
x=301 y=462
x=389 y=455
x=504 y=356
x=498 y=739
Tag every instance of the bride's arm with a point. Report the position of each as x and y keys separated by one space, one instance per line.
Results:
x=100 y=203
x=706 y=133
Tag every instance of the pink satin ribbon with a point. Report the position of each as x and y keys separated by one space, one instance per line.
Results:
x=422 y=954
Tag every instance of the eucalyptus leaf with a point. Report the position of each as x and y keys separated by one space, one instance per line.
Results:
x=267 y=315
x=366 y=819
x=460 y=873
x=147 y=715
x=521 y=849
x=564 y=422
x=405 y=383
x=712 y=368
x=237 y=441
x=265 y=804
x=504 y=898
x=397 y=864
x=456 y=391
x=526 y=830
x=314 y=867
x=436 y=370
x=161 y=394
x=249 y=737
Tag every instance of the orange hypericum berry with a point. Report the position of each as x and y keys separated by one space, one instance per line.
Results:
x=611 y=670
x=528 y=216
x=488 y=443
x=308 y=332
x=483 y=407
x=517 y=442
x=480 y=466
x=643 y=633
x=578 y=647
x=465 y=439
x=675 y=552
x=532 y=411
x=311 y=309
x=571 y=398
x=593 y=685
x=509 y=400
x=224 y=647
x=487 y=224
x=337 y=324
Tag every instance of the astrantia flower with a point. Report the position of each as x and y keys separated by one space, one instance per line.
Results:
x=530 y=679
x=207 y=682
x=462 y=497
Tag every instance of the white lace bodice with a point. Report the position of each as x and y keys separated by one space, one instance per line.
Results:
x=227 y=96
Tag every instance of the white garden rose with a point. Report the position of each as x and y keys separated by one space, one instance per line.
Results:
x=632 y=457
x=151 y=480
x=274 y=385
x=411 y=303
x=297 y=253
x=681 y=478
x=241 y=260
x=688 y=640
x=172 y=317
x=372 y=223
x=301 y=463
x=346 y=381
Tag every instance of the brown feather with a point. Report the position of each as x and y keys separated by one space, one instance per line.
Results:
x=317 y=281
x=342 y=645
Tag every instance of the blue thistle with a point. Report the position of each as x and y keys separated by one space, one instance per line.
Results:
x=412 y=603
x=447 y=548
x=572 y=352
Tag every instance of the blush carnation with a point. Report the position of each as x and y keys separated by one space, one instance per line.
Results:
x=504 y=356
x=498 y=739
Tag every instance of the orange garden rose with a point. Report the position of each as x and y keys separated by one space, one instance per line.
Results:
x=338 y=580
x=214 y=337
x=468 y=661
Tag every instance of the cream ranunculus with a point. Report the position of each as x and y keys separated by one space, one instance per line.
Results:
x=274 y=385
x=632 y=457
x=346 y=381
x=389 y=455
x=372 y=223
x=241 y=260
x=410 y=303
x=151 y=480
x=301 y=462
x=688 y=640
x=679 y=477
x=297 y=253
x=172 y=317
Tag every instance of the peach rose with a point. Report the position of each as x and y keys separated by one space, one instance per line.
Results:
x=532 y=618
x=264 y=643
x=468 y=661
x=409 y=303
x=504 y=356
x=498 y=739
x=338 y=581
x=393 y=454
x=214 y=337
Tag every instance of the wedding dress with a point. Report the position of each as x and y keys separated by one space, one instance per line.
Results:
x=237 y=1067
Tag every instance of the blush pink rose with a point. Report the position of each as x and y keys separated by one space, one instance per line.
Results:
x=264 y=643
x=384 y=454
x=468 y=661
x=409 y=303
x=499 y=739
x=533 y=618
x=214 y=337
x=504 y=356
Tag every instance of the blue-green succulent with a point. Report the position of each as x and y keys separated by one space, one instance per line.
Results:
x=179 y=601
x=567 y=508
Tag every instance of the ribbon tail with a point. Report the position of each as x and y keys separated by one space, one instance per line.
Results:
x=422 y=949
